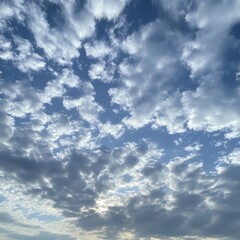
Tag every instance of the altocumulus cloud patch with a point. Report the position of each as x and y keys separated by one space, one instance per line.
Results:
x=119 y=119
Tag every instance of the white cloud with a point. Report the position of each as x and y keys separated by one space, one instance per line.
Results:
x=151 y=85
x=27 y=59
x=11 y=9
x=63 y=44
x=196 y=147
x=213 y=34
x=97 y=49
x=102 y=72
x=5 y=49
x=24 y=58
x=6 y=11
x=115 y=130
x=27 y=217
x=151 y=72
x=211 y=107
x=59 y=126
x=232 y=158
x=106 y=9
x=21 y=99
x=68 y=78
x=57 y=87
x=86 y=106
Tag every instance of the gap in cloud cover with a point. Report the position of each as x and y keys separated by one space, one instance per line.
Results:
x=54 y=14
x=140 y=13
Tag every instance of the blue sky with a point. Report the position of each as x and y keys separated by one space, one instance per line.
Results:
x=119 y=119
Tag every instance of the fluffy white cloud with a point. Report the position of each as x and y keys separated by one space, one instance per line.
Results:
x=212 y=106
x=25 y=218
x=196 y=147
x=63 y=44
x=101 y=71
x=57 y=87
x=11 y=9
x=5 y=49
x=24 y=58
x=116 y=130
x=146 y=90
x=232 y=158
x=21 y=99
x=97 y=49
x=158 y=62
x=86 y=107
x=213 y=35
x=27 y=59
x=106 y=9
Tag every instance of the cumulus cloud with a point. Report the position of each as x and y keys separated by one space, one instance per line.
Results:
x=154 y=57
x=109 y=10
x=11 y=9
x=208 y=36
x=102 y=72
x=212 y=106
x=119 y=120
x=158 y=63
x=97 y=49
x=6 y=51
x=63 y=44
x=27 y=59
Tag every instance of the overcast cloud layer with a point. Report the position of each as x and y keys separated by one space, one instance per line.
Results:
x=119 y=119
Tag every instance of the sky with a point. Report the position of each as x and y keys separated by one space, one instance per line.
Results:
x=119 y=119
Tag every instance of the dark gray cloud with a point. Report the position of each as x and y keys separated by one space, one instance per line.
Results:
x=190 y=202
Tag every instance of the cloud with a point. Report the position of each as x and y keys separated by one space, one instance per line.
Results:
x=151 y=151
x=109 y=10
x=103 y=72
x=196 y=147
x=208 y=35
x=41 y=236
x=191 y=206
x=20 y=99
x=213 y=106
x=154 y=56
x=27 y=59
x=10 y=9
x=6 y=124
x=6 y=53
x=160 y=63
x=155 y=199
x=6 y=218
x=97 y=49
x=63 y=44
x=116 y=130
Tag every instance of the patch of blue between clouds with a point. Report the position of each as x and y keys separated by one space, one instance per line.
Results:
x=2 y=198
x=139 y=13
x=44 y=218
